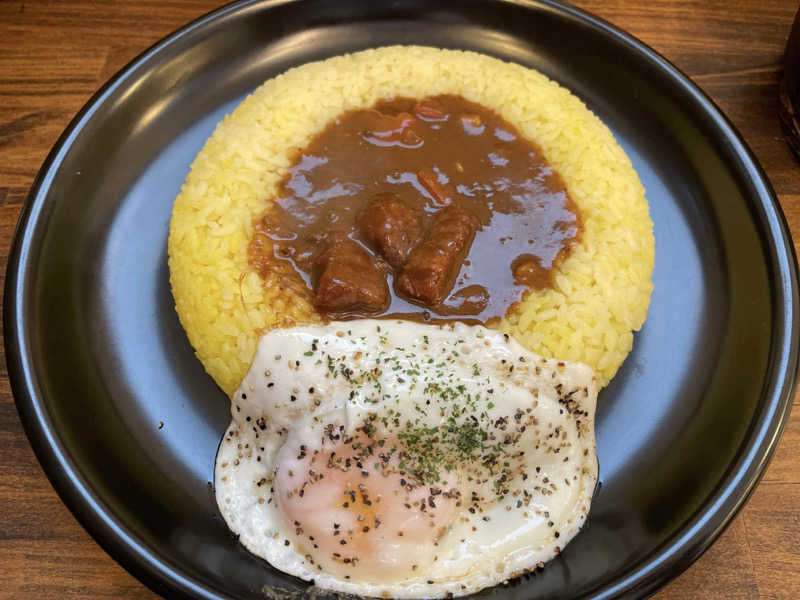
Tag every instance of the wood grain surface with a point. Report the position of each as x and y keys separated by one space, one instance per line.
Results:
x=55 y=54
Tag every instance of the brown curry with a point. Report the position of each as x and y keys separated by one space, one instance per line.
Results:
x=417 y=207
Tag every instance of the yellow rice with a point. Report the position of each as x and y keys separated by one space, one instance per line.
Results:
x=601 y=291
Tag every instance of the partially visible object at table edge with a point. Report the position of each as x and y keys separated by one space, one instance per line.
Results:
x=790 y=88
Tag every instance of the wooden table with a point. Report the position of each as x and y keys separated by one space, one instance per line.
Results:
x=55 y=54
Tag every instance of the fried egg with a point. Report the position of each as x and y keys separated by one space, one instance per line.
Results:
x=400 y=459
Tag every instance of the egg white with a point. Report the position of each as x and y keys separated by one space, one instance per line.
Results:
x=538 y=414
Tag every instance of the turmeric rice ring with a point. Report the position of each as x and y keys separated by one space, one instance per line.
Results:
x=602 y=289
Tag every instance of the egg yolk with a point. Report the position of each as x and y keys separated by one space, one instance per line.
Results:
x=355 y=513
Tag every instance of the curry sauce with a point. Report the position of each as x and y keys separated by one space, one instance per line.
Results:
x=419 y=208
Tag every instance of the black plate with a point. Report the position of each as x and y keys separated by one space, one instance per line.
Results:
x=97 y=358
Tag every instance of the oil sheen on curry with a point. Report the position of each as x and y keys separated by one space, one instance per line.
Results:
x=425 y=209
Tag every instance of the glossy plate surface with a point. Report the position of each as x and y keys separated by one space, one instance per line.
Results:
x=97 y=357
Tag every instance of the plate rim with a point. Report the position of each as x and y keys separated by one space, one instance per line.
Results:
x=649 y=573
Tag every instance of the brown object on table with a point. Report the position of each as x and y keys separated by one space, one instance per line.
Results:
x=55 y=55
x=790 y=88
